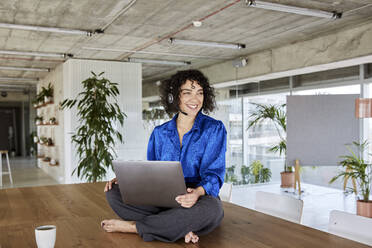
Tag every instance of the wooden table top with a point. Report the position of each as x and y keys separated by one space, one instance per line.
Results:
x=78 y=209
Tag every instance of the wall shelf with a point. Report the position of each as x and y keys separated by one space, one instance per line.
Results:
x=44 y=104
x=56 y=164
x=55 y=124
x=42 y=144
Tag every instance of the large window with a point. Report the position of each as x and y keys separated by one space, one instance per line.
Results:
x=247 y=146
x=259 y=139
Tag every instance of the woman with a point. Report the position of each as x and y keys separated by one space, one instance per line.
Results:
x=199 y=142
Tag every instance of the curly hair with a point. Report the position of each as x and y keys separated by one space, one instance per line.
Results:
x=173 y=86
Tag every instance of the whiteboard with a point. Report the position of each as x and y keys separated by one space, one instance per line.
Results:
x=318 y=127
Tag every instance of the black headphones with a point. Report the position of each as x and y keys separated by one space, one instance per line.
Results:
x=170 y=100
x=170 y=96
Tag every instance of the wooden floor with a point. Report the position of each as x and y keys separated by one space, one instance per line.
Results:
x=77 y=210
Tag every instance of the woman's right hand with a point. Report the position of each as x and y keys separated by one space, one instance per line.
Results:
x=108 y=185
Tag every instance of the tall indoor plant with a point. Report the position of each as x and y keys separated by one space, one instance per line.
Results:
x=275 y=114
x=95 y=136
x=359 y=169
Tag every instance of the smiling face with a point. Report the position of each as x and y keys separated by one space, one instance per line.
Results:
x=191 y=98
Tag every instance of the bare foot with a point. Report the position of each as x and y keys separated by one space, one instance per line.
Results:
x=191 y=237
x=119 y=226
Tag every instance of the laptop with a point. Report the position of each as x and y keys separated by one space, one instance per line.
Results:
x=154 y=183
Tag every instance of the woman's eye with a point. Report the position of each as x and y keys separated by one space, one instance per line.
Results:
x=186 y=93
x=200 y=93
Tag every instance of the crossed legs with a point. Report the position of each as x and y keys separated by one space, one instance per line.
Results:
x=164 y=224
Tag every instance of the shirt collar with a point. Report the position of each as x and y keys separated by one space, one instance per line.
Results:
x=196 y=126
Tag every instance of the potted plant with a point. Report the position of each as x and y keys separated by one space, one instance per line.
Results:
x=275 y=114
x=230 y=175
x=246 y=174
x=95 y=136
x=52 y=121
x=34 y=137
x=40 y=98
x=360 y=170
x=49 y=142
x=48 y=93
x=38 y=120
x=35 y=103
x=43 y=140
x=53 y=162
x=259 y=173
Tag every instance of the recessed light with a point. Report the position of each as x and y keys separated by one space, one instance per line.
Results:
x=197 y=23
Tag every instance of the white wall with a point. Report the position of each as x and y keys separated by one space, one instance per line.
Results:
x=129 y=78
x=54 y=132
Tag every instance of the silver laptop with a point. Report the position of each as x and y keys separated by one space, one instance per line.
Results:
x=154 y=183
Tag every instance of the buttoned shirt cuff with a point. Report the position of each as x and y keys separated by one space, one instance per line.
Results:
x=208 y=187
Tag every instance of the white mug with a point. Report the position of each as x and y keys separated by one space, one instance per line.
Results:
x=45 y=236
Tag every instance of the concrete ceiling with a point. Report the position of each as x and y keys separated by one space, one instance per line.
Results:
x=145 y=26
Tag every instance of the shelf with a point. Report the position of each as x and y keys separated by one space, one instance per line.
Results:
x=45 y=144
x=44 y=104
x=40 y=156
x=56 y=164
x=55 y=124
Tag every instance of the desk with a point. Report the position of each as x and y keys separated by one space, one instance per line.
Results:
x=77 y=210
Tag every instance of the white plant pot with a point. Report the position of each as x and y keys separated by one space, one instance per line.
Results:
x=45 y=122
x=38 y=122
x=48 y=99
x=36 y=139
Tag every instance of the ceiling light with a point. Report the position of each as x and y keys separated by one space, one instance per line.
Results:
x=19 y=79
x=49 y=29
x=206 y=43
x=12 y=68
x=37 y=54
x=197 y=23
x=292 y=9
x=157 y=53
x=161 y=62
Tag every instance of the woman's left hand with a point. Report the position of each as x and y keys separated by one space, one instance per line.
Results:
x=188 y=200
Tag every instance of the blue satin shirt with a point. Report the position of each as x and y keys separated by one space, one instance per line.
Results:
x=202 y=154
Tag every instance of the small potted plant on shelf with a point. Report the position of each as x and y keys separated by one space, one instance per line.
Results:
x=52 y=121
x=39 y=100
x=43 y=140
x=38 y=120
x=34 y=137
x=35 y=103
x=48 y=93
x=49 y=142
x=359 y=169
x=53 y=162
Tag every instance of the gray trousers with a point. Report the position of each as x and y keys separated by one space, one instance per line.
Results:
x=168 y=224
